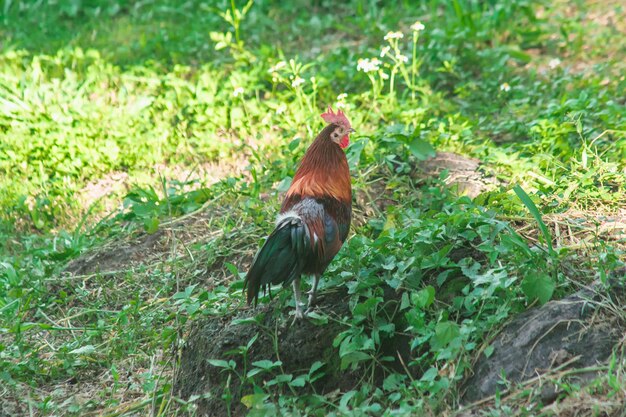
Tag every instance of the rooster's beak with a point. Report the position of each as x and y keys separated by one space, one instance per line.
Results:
x=352 y=130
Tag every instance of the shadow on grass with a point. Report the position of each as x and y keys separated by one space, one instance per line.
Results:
x=169 y=32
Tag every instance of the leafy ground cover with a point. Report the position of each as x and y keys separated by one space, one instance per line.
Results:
x=144 y=147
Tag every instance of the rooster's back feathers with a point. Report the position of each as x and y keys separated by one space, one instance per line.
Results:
x=305 y=240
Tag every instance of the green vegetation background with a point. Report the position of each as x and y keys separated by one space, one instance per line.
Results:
x=119 y=117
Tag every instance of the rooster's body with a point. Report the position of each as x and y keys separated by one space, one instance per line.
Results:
x=314 y=218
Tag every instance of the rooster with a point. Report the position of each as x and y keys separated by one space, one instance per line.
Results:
x=314 y=217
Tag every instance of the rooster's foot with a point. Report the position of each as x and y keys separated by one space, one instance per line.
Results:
x=298 y=315
x=312 y=299
x=309 y=310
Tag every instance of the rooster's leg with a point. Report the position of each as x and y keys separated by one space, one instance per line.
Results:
x=313 y=292
x=298 y=296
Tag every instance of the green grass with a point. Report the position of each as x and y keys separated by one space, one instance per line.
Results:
x=144 y=147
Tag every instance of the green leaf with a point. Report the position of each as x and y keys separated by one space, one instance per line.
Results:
x=283 y=186
x=266 y=364
x=538 y=286
x=345 y=398
x=219 y=363
x=252 y=340
x=354 y=153
x=421 y=149
x=294 y=144
x=534 y=211
x=424 y=297
x=84 y=350
x=232 y=269
x=404 y=303
x=488 y=351
x=353 y=358
x=151 y=224
x=246 y=320
x=362 y=309
x=315 y=366
x=254 y=371
x=430 y=375
x=445 y=332
x=317 y=318
x=298 y=382
x=516 y=53
x=393 y=382
x=250 y=400
x=280 y=379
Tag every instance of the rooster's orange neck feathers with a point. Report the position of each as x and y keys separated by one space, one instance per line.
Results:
x=323 y=172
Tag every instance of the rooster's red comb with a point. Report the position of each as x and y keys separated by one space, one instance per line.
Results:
x=338 y=118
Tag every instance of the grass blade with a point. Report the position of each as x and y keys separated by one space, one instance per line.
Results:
x=530 y=205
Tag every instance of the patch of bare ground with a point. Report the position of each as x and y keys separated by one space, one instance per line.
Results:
x=577 y=229
x=192 y=239
x=466 y=175
x=207 y=173
x=111 y=185
x=108 y=191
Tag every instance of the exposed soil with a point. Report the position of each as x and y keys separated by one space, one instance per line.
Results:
x=143 y=248
x=466 y=174
x=120 y=256
x=109 y=190
x=297 y=346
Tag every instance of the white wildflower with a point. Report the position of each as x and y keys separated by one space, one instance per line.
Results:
x=341 y=104
x=555 y=62
x=402 y=58
x=297 y=82
x=384 y=51
x=417 y=26
x=368 y=65
x=279 y=65
x=281 y=109
x=238 y=92
x=384 y=75
x=393 y=35
x=505 y=87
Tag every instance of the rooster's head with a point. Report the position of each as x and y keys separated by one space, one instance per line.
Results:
x=340 y=135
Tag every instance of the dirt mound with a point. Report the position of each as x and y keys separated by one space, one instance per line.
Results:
x=170 y=240
x=572 y=333
x=120 y=255
x=297 y=346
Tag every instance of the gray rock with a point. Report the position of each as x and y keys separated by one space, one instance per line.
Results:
x=543 y=338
